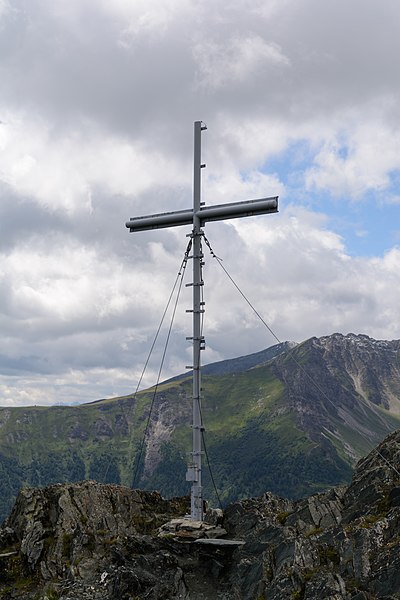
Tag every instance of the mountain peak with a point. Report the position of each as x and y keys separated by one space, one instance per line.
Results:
x=359 y=339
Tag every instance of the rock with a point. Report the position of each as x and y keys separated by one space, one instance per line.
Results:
x=333 y=545
x=104 y=542
x=186 y=529
x=213 y=516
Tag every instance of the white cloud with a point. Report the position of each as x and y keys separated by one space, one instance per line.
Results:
x=68 y=288
x=231 y=186
x=362 y=160
x=5 y=8
x=300 y=278
x=96 y=318
x=143 y=18
x=235 y=61
x=60 y=172
x=392 y=199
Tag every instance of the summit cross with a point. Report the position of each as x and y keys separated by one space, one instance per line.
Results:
x=197 y=217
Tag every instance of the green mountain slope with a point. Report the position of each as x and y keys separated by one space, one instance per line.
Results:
x=292 y=425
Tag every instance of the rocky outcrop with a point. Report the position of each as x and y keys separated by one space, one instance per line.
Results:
x=109 y=542
x=65 y=533
x=342 y=544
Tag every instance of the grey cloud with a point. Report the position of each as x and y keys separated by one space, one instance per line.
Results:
x=72 y=75
x=21 y=219
x=23 y=365
x=148 y=88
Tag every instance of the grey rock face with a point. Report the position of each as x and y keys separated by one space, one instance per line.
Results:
x=102 y=542
x=343 y=544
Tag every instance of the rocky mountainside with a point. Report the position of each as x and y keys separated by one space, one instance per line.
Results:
x=292 y=420
x=104 y=542
x=344 y=388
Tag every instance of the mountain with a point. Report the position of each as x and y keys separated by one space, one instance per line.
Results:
x=293 y=421
x=105 y=542
x=242 y=363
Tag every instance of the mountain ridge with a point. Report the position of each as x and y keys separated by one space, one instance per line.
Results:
x=293 y=425
x=240 y=363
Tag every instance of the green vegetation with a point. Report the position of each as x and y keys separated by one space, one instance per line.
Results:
x=67 y=541
x=13 y=576
x=282 y=516
x=11 y=480
x=314 y=531
x=255 y=439
x=253 y=443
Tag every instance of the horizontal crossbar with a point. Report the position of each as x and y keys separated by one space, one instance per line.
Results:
x=219 y=212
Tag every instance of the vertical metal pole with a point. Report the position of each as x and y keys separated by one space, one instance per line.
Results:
x=197 y=491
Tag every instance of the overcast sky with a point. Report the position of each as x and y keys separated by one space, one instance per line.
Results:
x=97 y=104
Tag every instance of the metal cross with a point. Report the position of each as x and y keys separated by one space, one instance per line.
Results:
x=197 y=217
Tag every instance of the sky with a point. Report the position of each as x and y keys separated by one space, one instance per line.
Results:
x=97 y=104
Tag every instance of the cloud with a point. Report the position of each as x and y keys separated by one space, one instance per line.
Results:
x=297 y=273
x=235 y=61
x=97 y=109
x=62 y=172
x=73 y=313
x=362 y=162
